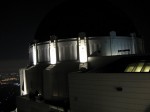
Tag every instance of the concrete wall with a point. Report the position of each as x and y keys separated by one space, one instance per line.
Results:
x=110 y=45
x=114 y=92
x=67 y=49
x=55 y=80
x=34 y=78
x=26 y=105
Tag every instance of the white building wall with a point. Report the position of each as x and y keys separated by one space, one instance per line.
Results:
x=114 y=92
x=67 y=49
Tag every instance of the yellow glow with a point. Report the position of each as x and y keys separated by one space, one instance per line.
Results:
x=139 y=67
x=34 y=55
x=82 y=50
x=147 y=68
x=129 y=68
x=53 y=52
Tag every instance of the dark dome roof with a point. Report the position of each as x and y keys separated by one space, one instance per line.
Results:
x=94 y=18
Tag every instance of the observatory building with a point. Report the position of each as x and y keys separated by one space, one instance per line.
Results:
x=65 y=75
x=95 y=71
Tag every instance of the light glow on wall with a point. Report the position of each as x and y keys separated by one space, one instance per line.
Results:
x=34 y=55
x=53 y=52
x=25 y=83
x=82 y=50
x=147 y=68
x=139 y=67
x=129 y=68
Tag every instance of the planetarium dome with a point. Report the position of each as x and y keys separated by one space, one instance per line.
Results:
x=94 y=18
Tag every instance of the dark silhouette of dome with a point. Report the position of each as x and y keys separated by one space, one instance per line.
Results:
x=96 y=18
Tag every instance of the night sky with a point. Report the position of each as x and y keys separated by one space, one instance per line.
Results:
x=21 y=22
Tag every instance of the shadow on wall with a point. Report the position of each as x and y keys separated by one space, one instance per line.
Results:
x=147 y=109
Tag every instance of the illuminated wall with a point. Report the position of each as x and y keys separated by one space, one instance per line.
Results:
x=138 y=67
x=70 y=49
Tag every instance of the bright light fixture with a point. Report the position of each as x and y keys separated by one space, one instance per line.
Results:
x=82 y=50
x=23 y=82
x=34 y=55
x=53 y=52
